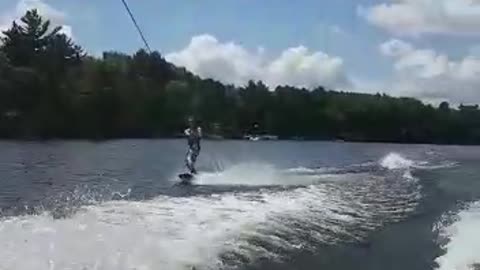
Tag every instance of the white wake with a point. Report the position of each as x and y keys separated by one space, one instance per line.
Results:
x=463 y=246
x=256 y=174
x=396 y=161
x=166 y=233
x=206 y=232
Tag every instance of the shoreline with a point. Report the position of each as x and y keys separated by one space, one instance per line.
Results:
x=112 y=139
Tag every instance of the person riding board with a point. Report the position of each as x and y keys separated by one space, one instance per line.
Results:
x=194 y=135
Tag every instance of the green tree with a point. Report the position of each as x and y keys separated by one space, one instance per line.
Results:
x=41 y=57
x=50 y=88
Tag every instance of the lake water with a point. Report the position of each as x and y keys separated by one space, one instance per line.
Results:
x=255 y=205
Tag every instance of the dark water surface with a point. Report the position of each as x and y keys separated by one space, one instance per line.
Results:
x=255 y=205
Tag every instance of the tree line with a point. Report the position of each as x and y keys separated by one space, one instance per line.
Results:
x=50 y=88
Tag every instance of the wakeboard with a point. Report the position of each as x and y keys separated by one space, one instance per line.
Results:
x=186 y=178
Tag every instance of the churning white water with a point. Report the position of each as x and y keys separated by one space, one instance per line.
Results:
x=206 y=231
x=463 y=246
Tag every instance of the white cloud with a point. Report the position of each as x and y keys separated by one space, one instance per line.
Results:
x=5 y=23
x=43 y=8
x=228 y=62
x=67 y=30
x=297 y=66
x=395 y=48
x=415 y=17
x=432 y=76
x=231 y=63
x=56 y=16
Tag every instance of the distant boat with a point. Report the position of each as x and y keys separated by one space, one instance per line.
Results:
x=254 y=138
x=260 y=137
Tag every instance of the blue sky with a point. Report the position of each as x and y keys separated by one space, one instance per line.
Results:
x=352 y=31
x=274 y=25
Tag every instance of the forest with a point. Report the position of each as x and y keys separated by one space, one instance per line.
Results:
x=50 y=88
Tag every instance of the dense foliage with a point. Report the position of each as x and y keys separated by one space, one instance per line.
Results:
x=50 y=88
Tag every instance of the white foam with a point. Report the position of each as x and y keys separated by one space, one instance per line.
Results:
x=395 y=161
x=408 y=175
x=253 y=174
x=176 y=233
x=463 y=246
x=446 y=164
x=262 y=174
x=304 y=170
x=165 y=233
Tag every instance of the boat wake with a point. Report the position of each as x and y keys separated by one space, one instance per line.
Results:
x=461 y=240
x=255 y=174
x=211 y=231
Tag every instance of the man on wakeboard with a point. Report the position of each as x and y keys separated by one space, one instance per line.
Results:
x=194 y=135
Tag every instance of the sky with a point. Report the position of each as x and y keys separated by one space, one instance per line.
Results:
x=427 y=49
